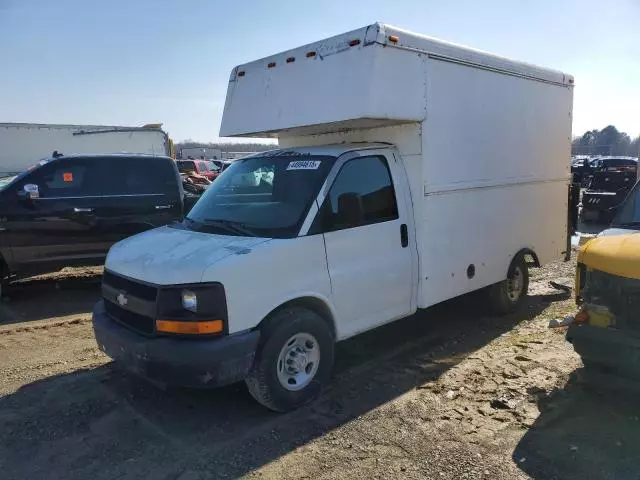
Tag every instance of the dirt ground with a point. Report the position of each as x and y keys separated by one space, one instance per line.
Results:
x=447 y=393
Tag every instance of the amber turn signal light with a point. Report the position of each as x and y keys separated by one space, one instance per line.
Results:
x=190 y=328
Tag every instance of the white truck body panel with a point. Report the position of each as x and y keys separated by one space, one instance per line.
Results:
x=485 y=141
x=23 y=144
x=374 y=83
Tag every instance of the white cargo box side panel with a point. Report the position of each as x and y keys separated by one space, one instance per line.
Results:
x=496 y=166
x=360 y=87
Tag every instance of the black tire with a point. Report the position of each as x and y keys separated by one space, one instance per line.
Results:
x=501 y=299
x=263 y=381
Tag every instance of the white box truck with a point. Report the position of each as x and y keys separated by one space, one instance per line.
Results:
x=24 y=144
x=410 y=171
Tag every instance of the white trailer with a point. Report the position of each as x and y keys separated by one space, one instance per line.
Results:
x=24 y=144
x=410 y=171
x=209 y=153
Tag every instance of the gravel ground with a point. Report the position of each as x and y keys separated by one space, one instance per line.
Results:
x=447 y=393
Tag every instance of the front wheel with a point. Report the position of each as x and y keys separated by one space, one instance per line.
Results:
x=506 y=296
x=294 y=359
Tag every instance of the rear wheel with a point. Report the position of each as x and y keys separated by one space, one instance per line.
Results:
x=294 y=360
x=506 y=296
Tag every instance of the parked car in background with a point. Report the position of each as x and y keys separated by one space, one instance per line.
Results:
x=205 y=168
x=226 y=164
x=581 y=170
x=218 y=163
x=610 y=181
x=68 y=211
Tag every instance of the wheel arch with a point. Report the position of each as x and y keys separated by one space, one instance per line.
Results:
x=315 y=304
x=530 y=257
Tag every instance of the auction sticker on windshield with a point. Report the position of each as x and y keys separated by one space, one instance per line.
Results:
x=303 y=165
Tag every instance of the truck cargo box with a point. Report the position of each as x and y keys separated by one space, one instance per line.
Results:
x=485 y=140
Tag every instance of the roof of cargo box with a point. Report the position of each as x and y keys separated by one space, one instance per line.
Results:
x=391 y=36
x=276 y=94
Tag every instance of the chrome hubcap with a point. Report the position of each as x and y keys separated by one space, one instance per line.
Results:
x=298 y=361
x=515 y=284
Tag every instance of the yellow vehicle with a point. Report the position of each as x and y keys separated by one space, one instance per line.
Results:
x=606 y=330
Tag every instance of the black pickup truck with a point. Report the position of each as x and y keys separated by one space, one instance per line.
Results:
x=69 y=210
x=611 y=180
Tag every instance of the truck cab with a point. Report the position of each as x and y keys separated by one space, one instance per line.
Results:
x=279 y=234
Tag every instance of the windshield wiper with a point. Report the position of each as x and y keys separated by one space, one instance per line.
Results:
x=230 y=226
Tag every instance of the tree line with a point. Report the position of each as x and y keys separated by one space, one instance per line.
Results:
x=608 y=141
x=226 y=146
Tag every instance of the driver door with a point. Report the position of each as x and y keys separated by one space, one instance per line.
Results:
x=369 y=253
x=61 y=225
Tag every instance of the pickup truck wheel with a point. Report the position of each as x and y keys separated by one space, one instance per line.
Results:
x=293 y=361
x=506 y=296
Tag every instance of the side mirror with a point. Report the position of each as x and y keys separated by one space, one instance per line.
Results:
x=350 y=209
x=29 y=192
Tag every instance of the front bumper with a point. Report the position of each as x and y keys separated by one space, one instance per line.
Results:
x=608 y=347
x=199 y=363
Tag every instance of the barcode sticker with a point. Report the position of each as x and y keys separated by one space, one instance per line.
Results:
x=303 y=165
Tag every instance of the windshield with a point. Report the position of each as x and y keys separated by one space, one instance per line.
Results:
x=629 y=214
x=262 y=196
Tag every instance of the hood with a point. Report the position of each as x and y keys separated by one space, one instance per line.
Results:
x=171 y=256
x=615 y=254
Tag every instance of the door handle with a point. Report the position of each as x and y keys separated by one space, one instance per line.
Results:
x=163 y=207
x=82 y=210
x=404 y=235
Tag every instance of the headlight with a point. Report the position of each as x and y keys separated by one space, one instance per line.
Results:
x=190 y=301
x=204 y=304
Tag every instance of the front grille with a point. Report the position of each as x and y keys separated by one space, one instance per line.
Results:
x=621 y=295
x=136 y=289
x=137 y=322
x=139 y=310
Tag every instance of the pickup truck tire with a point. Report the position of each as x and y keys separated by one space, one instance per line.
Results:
x=506 y=296
x=293 y=361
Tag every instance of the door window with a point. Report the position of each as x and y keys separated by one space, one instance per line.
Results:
x=362 y=194
x=66 y=178
x=139 y=176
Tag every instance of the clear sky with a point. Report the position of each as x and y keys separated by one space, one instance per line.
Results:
x=130 y=62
